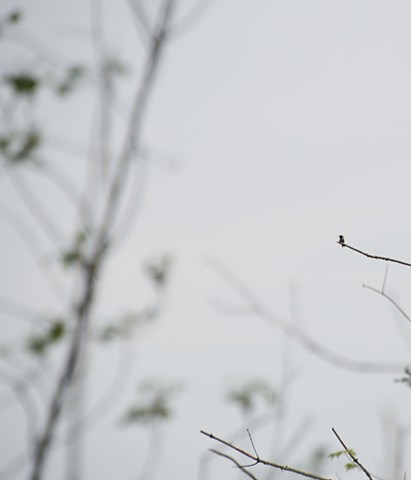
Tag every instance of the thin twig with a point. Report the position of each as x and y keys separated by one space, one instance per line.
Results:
x=44 y=222
x=283 y=468
x=132 y=137
x=252 y=442
x=25 y=235
x=342 y=242
x=191 y=18
x=352 y=456
x=104 y=89
x=142 y=22
x=237 y=464
x=390 y=299
x=385 y=278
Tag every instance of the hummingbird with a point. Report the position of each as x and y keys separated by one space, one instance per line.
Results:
x=341 y=239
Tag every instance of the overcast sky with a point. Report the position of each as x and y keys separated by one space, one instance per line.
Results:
x=285 y=123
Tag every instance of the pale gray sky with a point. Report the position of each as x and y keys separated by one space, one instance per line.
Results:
x=290 y=123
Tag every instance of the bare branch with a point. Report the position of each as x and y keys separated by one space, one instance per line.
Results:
x=351 y=455
x=283 y=468
x=15 y=465
x=92 y=267
x=132 y=138
x=237 y=464
x=13 y=220
x=390 y=299
x=61 y=182
x=142 y=22
x=342 y=242
x=36 y=210
x=105 y=402
x=311 y=344
x=105 y=91
x=191 y=18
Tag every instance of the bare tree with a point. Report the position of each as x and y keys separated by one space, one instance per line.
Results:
x=254 y=306
x=102 y=211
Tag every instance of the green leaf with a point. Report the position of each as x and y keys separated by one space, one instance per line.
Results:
x=115 y=66
x=123 y=327
x=71 y=258
x=153 y=404
x=247 y=395
x=38 y=344
x=158 y=270
x=22 y=84
x=71 y=79
x=75 y=255
x=57 y=331
x=338 y=453
x=18 y=147
x=15 y=16
x=350 y=466
x=31 y=141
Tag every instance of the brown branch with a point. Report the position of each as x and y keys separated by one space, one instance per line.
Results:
x=258 y=460
x=341 y=241
x=352 y=456
x=238 y=465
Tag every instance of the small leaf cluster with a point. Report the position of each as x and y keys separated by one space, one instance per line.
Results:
x=71 y=79
x=158 y=270
x=23 y=84
x=153 y=404
x=38 y=344
x=247 y=395
x=406 y=379
x=10 y=19
x=75 y=255
x=351 y=453
x=123 y=327
x=20 y=146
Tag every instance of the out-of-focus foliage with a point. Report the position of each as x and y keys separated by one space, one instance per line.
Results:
x=75 y=255
x=11 y=18
x=71 y=79
x=246 y=396
x=23 y=84
x=317 y=458
x=346 y=453
x=18 y=147
x=153 y=404
x=158 y=270
x=124 y=326
x=406 y=379
x=38 y=344
x=115 y=66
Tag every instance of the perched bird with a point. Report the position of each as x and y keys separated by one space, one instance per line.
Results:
x=341 y=239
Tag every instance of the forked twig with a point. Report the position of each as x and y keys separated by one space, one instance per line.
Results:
x=258 y=308
x=228 y=457
x=390 y=299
